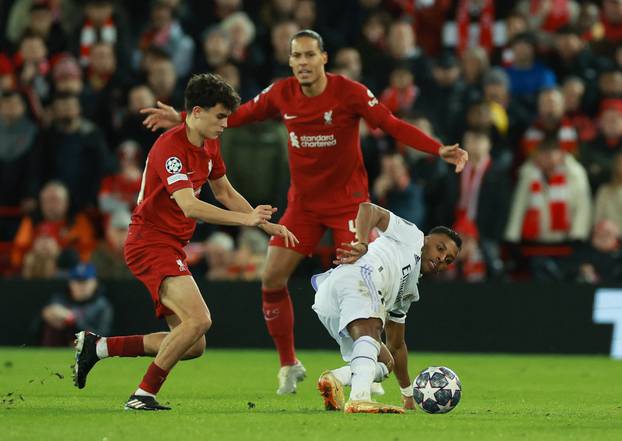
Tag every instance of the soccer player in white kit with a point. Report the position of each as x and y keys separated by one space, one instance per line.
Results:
x=370 y=292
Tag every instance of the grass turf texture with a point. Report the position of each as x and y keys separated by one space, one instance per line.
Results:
x=230 y=395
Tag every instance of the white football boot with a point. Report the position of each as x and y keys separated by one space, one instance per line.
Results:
x=289 y=376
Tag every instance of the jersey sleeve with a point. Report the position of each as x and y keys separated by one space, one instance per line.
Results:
x=379 y=115
x=169 y=164
x=398 y=314
x=262 y=107
x=403 y=231
x=219 y=169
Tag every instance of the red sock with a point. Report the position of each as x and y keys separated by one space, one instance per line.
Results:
x=278 y=313
x=153 y=379
x=126 y=346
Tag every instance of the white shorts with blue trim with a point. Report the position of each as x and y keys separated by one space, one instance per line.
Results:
x=345 y=294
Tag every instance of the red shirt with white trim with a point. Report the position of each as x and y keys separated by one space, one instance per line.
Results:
x=174 y=163
x=325 y=159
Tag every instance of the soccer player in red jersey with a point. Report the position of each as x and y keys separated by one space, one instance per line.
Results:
x=180 y=162
x=328 y=178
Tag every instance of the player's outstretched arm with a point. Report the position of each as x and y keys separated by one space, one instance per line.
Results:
x=411 y=136
x=397 y=346
x=160 y=117
x=197 y=209
x=369 y=216
x=227 y=195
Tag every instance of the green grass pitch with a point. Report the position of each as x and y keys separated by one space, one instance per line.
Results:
x=229 y=395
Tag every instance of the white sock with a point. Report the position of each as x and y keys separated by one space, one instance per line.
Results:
x=382 y=372
x=144 y=393
x=343 y=374
x=102 y=348
x=363 y=364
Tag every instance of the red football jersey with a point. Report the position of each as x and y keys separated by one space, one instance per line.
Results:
x=174 y=163
x=326 y=163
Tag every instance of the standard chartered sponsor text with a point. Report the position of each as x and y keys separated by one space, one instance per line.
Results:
x=318 y=141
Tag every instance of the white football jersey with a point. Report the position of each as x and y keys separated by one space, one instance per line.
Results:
x=395 y=261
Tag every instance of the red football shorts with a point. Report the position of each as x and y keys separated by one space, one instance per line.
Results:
x=309 y=226
x=153 y=256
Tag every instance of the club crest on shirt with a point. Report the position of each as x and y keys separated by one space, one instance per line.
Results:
x=373 y=101
x=328 y=117
x=173 y=165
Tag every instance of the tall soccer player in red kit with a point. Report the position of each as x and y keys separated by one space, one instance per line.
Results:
x=179 y=163
x=328 y=178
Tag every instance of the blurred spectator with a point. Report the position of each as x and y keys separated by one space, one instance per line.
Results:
x=280 y=36
x=102 y=88
x=348 y=60
x=400 y=96
x=17 y=137
x=573 y=91
x=442 y=100
x=573 y=57
x=515 y=23
x=250 y=256
x=469 y=265
x=274 y=12
x=597 y=156
x=108 y=257
x=120 y=191
x=480 y=195
x=216 y=49
x=429 y=20
x=373 y=43
x=552 y=201
x=67 y=75
x=474 y=63
x=32 y=72
x=82 y=307
x=138 y=97
x=549 y=15
x=599 y=261
x=102 y=23
x=610 y=83
x=528 y=76
x=609 y=196
x=162 y=80
x=609 y=31
x=63 y=12
x=244 y=53
x=509 y=118
x=479 y=118
x=550 y=121
x=475 y=25
x=41 y=21
x=220 y=255
x=52 y=221
x=73 y=151
x=165 y=31
x=404 y=52
x=7 y=73
x=395 y=190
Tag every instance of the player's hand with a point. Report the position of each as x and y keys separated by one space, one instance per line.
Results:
x=409 y=402
x=280 y=230
x=260 y=215
x=454 y=155
x=160 y=117
x=350 y=253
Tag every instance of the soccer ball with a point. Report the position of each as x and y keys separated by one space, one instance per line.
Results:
x=437 y=389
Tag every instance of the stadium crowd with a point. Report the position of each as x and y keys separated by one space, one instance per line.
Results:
x=531 y=89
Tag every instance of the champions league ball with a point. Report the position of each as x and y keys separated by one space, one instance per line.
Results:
x=437 y=389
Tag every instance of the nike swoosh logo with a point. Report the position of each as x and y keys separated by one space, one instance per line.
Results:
x=286 y=116
x=189 y=173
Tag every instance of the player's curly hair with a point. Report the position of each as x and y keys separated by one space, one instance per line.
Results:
x=207 y=90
